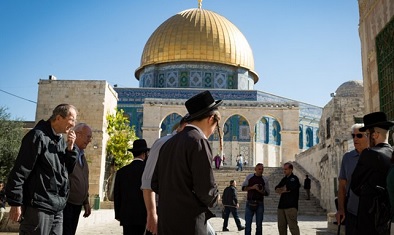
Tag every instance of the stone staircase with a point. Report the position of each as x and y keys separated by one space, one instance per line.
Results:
x=274 y=175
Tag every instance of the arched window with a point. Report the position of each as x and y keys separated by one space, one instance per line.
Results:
x=301 y=138
x=168 y=124
x=276 y=132
x=309 y=137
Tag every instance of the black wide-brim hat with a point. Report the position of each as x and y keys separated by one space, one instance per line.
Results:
x=139 y=146
x=200 y=104
x=376 y=119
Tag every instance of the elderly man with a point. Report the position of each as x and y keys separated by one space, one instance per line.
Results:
x=79 y=183
x=369 y=176
x=183 y=176
x=37 y=187
x=345 y=194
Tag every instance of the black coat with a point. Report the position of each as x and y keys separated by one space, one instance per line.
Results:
x=128 y=198
x=289 y=199
x=39 y=177
x=371 y=170
x=184 y=180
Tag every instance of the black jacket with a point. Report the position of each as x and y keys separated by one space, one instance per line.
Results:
x=230 y=196
x=289 y=199
x=129 y=202
x=39 y=177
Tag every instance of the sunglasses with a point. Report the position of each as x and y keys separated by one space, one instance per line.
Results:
x=359 y=135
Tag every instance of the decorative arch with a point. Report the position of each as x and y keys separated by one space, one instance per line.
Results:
x=236 y=128
x=276 y=129
x=301 y=138
x=168 y=123
x=309 y=137
x=262 y=130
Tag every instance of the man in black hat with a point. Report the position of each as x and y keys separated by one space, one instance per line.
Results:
x=129 y=203
x=369 y=176
x=183 y=175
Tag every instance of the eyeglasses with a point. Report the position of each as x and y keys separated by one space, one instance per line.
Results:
x=359 y=135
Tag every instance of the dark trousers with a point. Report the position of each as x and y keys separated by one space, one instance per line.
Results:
x=234 y=211
x=135 y=230
x=70 y=218
x=36 y=222
x=351 y=223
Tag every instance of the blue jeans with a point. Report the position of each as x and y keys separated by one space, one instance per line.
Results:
x=249 y=213
x=239 y=166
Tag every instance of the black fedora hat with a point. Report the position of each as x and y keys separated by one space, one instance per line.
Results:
x=376 y=119
x=139 y=146
x=200 y=104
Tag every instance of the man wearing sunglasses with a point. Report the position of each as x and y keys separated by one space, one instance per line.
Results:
x=369 y=176
x=345 y=194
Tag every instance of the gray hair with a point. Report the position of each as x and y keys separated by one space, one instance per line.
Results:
x=357 y=126
x=80 y=126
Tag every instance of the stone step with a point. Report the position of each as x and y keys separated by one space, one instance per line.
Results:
x=274 y=175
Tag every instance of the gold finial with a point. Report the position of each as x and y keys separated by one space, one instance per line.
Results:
x=199 y=4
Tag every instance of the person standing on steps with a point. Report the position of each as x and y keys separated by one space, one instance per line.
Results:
x=307 y=187
x=289 y=190
x=257 y=187
x=230 y=203
x=240 y=162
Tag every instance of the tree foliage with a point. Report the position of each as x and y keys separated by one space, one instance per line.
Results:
x=11 y=134
x=121 y=137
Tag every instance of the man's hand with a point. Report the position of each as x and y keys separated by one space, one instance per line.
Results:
x=71 y=136
x=340 y=216
x=87 y=209
x=151 y=223
x=15 y=213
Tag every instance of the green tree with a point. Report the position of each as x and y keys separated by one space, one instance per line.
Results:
x=11 y=134
x=121 y=137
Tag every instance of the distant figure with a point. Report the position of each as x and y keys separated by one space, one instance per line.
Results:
x=2 y=200
x=37 y=188
x=240 y=162
x=230 y=203
x=289 y=190
x=307 y=187
x=129 y=203
x=370 y=175
x=218 y=160
x=79 y=183
x=257 y=187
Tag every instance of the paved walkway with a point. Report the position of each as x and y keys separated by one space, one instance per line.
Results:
x=103 y=222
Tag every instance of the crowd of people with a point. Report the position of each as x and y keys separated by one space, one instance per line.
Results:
x=170 y=188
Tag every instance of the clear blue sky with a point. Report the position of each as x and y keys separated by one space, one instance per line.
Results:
x=303 y=49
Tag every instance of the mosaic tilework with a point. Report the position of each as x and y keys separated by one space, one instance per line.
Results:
x=196 y=75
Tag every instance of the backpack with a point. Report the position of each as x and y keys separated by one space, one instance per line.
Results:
x=381 y=210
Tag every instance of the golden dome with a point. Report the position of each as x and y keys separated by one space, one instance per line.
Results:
x=198 y=35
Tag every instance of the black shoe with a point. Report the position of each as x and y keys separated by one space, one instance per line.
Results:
x=241 y=228
x=225 y=230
